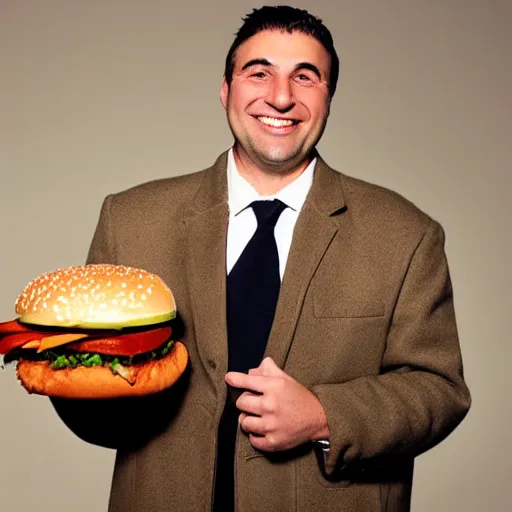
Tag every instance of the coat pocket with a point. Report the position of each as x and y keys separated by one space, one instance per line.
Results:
x=331 y=305
x=315 y=492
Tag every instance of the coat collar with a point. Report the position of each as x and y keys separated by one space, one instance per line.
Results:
x=213 y=189
x=326 y=194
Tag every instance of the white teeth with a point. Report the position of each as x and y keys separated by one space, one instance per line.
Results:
x=275 y=122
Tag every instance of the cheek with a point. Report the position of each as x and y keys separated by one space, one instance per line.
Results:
x=320 y=111
x=315 y=102
x=245 y=96
x=236 y=106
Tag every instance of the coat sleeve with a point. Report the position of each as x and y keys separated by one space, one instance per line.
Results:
x=103 y=245
x=420 y=395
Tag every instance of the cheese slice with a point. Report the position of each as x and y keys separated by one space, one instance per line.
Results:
x=32 y=344
x=58 y=340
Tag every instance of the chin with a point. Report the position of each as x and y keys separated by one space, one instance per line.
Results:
x=282 y=162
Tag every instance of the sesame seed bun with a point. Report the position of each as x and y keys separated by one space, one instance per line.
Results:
x=98 y=296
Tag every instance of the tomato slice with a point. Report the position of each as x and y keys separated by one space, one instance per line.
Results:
x=12 y=341
x=14 y=326
x=125 y=344
x=14 y=334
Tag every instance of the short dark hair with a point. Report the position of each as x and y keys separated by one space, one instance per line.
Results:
x=289 y=19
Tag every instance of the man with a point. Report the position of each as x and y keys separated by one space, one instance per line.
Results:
x=361 y=371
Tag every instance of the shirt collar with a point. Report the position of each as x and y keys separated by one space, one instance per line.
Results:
x=241 y=193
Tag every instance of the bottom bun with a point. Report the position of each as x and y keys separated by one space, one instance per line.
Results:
x=99 y=381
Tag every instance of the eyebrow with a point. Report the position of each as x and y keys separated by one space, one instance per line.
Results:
x=300 y=65
x=311 y=67
x=256 y=62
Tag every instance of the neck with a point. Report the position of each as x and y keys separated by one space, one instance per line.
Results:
x=266 y=181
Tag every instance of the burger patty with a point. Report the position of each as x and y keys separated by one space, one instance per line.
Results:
x=125 y=367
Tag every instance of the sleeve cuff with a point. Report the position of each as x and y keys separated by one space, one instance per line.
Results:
x=323 y=444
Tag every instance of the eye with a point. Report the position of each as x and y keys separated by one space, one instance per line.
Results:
x=302 y=77
x=258 y=74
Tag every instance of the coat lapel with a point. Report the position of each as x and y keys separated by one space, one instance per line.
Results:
x=315 y=229
x=206 y=225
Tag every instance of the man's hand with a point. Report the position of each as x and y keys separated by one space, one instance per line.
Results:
x=278 y=413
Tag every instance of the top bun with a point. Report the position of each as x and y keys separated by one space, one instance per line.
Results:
x=96 y=296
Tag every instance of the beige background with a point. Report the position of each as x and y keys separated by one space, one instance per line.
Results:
x=100 y=95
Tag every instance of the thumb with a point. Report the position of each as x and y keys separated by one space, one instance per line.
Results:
x=269 y=367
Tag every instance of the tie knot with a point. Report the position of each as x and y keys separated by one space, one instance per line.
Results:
x=267 y=212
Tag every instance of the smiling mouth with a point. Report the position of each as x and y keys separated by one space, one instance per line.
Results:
x=277 y=123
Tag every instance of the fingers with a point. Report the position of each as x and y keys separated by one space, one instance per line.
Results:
x=254 y=383
x=258 y=421
x=252 y=424
x=259 y=434
x=264 y=443
x=255 y=379
x=277 y=412
x=250 y=403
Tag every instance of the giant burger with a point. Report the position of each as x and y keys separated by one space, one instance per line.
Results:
x=94 y=331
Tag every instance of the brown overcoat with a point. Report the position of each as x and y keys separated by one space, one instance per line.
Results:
x=365 y=320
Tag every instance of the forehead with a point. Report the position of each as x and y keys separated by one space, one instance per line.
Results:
x=282 y=49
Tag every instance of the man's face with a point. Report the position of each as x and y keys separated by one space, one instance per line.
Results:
x=278 y=101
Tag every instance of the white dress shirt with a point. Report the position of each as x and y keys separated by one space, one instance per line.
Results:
x=242 y=220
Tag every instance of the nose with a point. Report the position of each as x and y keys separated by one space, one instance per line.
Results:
x=280 y=95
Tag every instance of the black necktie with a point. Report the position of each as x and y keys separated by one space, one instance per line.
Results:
x=252 y=292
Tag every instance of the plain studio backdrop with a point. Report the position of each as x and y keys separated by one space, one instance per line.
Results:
x=100 y=95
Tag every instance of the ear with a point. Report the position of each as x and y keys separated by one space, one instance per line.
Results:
x=224 y=92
